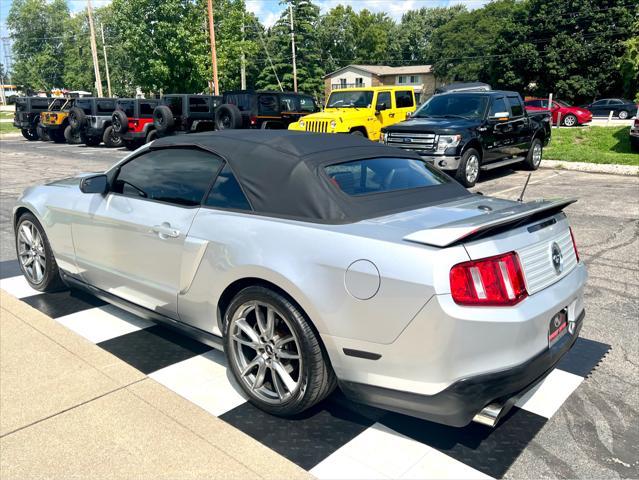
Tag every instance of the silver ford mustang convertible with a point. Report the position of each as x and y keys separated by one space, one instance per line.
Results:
x=321 y=260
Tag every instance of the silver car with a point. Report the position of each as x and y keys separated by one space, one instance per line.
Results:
x=319 y=260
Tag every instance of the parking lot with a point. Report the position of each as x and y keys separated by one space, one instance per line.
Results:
x=592 y=434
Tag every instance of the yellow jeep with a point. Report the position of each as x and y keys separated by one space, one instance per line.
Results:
x=360 y=111
x=55 y=120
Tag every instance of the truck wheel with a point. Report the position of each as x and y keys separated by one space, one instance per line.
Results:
x=468 y=170
x=227 y=117
x=111 y=139
x=43 y=135
x=152 y=135
x=570 y=120
x=72 y=136
x=533 y=159
x=357 y=133
x=77 y=118
x=30 y=134
x=163 y=118
x=274 y=353
x=119 y=121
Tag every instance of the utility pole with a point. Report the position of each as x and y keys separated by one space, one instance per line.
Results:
x=106 y=63
x=243 y=60
x=290 y=11
x=94 y=50
x=213 y=52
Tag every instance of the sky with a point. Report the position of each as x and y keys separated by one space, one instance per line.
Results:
x=268 y=11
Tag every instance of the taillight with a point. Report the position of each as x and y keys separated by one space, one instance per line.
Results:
x=574 y=244
x=493 y=281
x=253 y=120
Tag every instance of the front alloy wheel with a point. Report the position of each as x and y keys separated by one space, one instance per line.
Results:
x=265 y=351
x=570 y=121
x=31 y=252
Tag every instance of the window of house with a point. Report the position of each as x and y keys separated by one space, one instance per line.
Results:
x=180 y=176
x=226 y=192
x=342 y=82
x=359 y=82
x=414 y=79
x=401 y=79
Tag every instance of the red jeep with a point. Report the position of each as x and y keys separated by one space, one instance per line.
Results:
x=133 y=120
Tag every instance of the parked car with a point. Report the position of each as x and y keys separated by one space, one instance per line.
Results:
x=132 y=119
x=55 y=120
x=634 y=136
x=360 y=111
x=468 y=132
x=27 y=115
x=570 y=116
x=185 y=113
x=316 y=260
x=90 y=119
x=262 y=109
x=620 y=108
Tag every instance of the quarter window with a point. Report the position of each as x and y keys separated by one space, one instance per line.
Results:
x=403 y=99
x=307 y=104
x=515 y=106
x=198 y=104
x=267 y=105
x=105 y=106
x=226 y=192
x=179 y=176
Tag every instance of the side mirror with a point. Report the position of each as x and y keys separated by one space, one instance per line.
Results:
x=500 y=116
x=95 y=184
x=380 y=107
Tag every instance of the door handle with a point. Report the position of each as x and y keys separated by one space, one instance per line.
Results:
x=391 y=115
x=166 y=231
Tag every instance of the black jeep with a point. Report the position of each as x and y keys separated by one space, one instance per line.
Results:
x=185 y=113
x=27 y=116
x=133 y=121
x=90 y=120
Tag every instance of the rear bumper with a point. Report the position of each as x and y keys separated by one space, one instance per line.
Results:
x=133 y=136
x=461 y=401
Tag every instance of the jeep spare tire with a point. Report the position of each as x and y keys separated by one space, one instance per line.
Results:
x=228 y=116
x=119 y=121
x=162 y=118
x=77 y=118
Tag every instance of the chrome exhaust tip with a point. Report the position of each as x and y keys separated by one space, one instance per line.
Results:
x=489 y=415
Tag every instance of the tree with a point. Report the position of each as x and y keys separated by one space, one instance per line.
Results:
x=337 y=37
x=37 y=28
x=629 y=66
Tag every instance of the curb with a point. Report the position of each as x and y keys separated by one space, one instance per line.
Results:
x=609 y=168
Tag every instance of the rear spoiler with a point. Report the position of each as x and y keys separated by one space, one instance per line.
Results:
x=450 y=233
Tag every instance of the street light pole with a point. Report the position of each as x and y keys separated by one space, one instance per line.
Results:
x=213 y=52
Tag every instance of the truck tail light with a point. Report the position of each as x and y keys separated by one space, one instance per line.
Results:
x=493 y=281
x=574 y=244
x=253 y=120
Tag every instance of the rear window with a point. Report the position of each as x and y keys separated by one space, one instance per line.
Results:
x=267 y=105
x=386 y=174
x=105 y=106
x=85 y=105
x=146 y=108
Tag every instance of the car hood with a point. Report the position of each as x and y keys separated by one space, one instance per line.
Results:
x=433 y=123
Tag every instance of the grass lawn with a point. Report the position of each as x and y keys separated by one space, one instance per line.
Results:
x=4 y=114
x=591 y=144
x=7 y=127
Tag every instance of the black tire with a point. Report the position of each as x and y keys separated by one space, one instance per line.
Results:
x=228 y=117
x=570 y=120
x=623 y=114
x=30 y=134
x=532 y=162
x=90 y=141
x=131 y=144
x=469 y=160
x=163 y=118
x=72 y=136
x=111 y=138
x=316 y=379
x=152 y=135
x=43 y=134
x=120 y=121
x=51 y=279
x=357 y=133
x=77 y=118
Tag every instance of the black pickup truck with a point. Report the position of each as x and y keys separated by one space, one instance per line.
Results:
x=468 y=132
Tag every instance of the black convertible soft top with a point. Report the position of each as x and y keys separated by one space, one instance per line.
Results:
x=282 y=173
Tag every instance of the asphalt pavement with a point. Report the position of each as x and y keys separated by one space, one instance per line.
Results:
x=594 y=434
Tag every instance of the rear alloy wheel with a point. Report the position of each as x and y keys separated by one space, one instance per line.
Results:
x=570 y=120
x=274 y=354
x=468 y=170
x=533 y=159
x=623 y=114
x=111 y=138
x=35 y=255
x=30 y=134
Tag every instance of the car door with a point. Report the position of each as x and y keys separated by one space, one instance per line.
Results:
x=384 y=114
x=599 y=107
x=521 y=133
x=404 y=104
x=131 y=242
x=497 y=138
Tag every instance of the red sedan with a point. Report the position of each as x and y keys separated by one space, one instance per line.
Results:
x=570 y=116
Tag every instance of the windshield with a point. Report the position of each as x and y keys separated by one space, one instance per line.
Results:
x=377 y=175
x=352 y=98
x=450 y=105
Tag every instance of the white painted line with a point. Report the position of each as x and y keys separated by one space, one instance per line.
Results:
x=18 y=287
x=339 y=466
x=520 y=187
x=546 y=398
x=103 y=323
x=204 y=381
